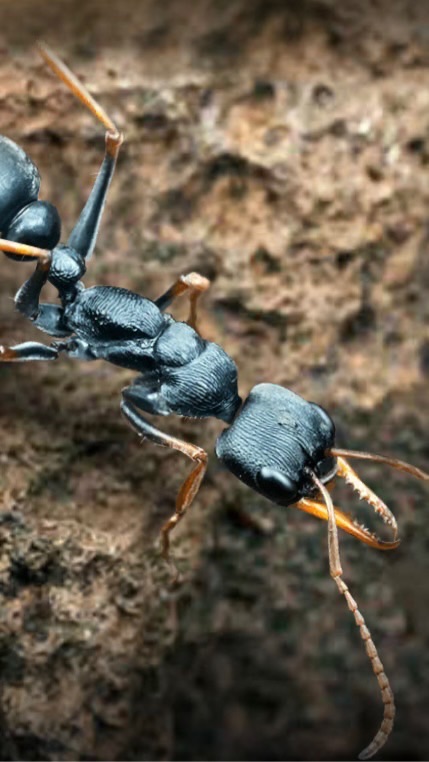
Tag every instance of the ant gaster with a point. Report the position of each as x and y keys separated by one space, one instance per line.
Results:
x=278 y=443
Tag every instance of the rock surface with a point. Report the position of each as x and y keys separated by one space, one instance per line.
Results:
x=281 y=149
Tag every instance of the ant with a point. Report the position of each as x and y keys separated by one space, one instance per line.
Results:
x=279 y=444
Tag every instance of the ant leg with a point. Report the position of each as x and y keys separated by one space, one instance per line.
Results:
x=27 y=298
x=196 y=284
x=192 y=483
x=336 y=573
x=84 y=233
x=48 y=317
x=27 y=352
x=51 y=320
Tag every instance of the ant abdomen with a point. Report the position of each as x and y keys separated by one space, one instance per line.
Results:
x=23 y=218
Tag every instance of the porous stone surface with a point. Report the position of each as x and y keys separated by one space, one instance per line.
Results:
x=281 y=149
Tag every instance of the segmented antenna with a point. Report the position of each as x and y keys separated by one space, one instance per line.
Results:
x=336 y=573
x=401 y=465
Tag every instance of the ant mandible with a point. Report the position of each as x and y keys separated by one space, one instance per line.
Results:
x=279 y=444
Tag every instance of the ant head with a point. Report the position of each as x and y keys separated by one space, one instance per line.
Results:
x=37 y=224
x=275 y=437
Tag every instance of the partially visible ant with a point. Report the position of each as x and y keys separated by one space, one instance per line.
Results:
x=280 y=445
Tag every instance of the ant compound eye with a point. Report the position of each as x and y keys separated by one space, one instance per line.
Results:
x=277 y=486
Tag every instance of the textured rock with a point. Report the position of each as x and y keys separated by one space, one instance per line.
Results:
x=281 y=149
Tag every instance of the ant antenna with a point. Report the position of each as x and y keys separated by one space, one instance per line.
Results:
x=336 y=573
x=401 y=465
x=114 y=137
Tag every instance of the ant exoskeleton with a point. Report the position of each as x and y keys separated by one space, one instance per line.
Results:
x=280 y=445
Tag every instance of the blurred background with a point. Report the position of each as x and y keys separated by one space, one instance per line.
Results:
x=281 y=149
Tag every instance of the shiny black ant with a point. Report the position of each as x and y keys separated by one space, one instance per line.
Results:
x=280 y=445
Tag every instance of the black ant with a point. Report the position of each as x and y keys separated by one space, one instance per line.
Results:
x=278 y=443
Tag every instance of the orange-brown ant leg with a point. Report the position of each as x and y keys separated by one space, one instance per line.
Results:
x=336 y=573
x=196 y=284
x=186 y=494
x=190 y=486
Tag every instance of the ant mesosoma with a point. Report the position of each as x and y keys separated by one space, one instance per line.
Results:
x=280 y=445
